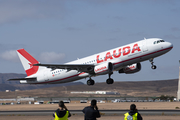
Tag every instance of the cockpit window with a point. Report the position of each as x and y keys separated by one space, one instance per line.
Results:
x=162 y=40
x=159 y=41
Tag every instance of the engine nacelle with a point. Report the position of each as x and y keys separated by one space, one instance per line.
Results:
x=104 y=68
x=131 y=68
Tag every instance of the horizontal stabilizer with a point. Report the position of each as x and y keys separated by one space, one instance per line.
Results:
x=28 y=79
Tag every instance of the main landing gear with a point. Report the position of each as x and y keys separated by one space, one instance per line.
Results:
x=110 y=80
x=90 y=82
x=152 y=63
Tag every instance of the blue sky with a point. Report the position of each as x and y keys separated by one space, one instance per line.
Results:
x=59 y=31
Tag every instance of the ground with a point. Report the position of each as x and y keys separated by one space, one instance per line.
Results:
x=102 y=106
x=82 y=118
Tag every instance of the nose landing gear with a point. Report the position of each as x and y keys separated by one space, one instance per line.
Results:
x=152 y=63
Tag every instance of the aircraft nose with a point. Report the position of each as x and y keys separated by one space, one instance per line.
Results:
x=169 y=45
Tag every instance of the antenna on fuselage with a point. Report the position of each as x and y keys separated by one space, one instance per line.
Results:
x=144 y=38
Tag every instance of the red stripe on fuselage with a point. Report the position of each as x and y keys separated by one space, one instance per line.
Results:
x=56 y=80
x=142 y=55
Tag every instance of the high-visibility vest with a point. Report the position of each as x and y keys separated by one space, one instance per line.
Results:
x=129 y=117
x=62 y=118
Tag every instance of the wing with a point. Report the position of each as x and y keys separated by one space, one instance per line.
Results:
x=79 y=67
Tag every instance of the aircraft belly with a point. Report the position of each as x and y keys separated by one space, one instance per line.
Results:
x=118 y=66
x=74 y=78
x=66 y=76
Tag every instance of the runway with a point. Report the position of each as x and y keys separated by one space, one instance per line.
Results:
x=79 y=112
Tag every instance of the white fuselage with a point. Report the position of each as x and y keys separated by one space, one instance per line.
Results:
x=120 y=57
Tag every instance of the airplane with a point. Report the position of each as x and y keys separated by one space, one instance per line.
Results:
x=125 y=59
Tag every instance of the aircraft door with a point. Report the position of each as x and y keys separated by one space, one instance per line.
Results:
x=46 y=75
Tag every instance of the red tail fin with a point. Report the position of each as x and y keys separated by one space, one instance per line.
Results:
x=27 y=61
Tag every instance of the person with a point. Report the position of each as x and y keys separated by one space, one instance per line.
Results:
x=132 y=114
x=91 y=112
x=62 y=112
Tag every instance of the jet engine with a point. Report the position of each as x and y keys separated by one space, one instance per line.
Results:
x=103 y=68
x=131 y=68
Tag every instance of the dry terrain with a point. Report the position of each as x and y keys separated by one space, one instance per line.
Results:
x=80 y=106
x=102 y=106
x=137 y=89
x=145 y=88
x=82 y=118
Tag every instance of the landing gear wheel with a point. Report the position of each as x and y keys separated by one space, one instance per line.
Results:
x=153 y=67
x=90 y=82
x=109 y=81
x=152 y=63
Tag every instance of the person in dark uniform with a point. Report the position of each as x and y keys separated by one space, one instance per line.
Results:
x=62 y=112
x=91 y=112
x=132 y=114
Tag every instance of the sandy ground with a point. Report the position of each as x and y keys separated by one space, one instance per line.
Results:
x=102 y=106
x=82 y=118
